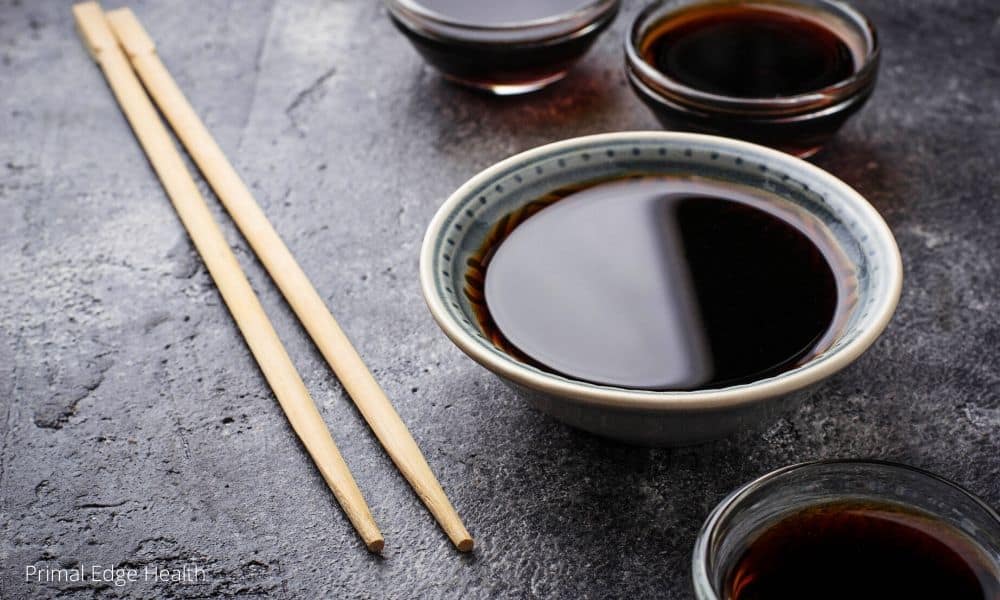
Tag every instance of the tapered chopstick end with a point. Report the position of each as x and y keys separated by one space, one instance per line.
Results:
x=375 y=545
x=465 y=544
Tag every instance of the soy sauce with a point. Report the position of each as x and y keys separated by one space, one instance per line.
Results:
x=661 y=284
x=749 y=51
x=506 y=47
x=862 y=551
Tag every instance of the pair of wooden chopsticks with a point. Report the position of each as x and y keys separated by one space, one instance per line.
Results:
x=106 y=36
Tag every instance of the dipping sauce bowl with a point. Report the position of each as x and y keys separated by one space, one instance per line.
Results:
x=798 y=123
x=938 y=510
x=466 y=220
x=474 y=46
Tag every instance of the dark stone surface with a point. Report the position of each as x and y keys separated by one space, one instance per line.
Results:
x=136 y=428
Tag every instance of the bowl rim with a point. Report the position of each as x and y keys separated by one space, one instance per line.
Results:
x=572 y=23
x=711 y=399
x=414 y=7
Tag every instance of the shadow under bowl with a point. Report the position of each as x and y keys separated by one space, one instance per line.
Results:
x=658 y=418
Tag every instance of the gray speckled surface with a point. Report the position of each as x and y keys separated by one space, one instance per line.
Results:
x=136 y=428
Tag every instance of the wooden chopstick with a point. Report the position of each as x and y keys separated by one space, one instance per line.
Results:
x=225 y=270
x=283 y=268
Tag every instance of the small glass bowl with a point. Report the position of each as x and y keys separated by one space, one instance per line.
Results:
x=798 y=124
x=507 y=58
x=739 y=519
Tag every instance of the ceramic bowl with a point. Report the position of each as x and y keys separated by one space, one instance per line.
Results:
x=659 y=417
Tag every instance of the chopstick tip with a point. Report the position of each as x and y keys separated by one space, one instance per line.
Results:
x=375 y=545
x=465 y=544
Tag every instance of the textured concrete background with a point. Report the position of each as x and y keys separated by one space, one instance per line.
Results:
x=136 y=428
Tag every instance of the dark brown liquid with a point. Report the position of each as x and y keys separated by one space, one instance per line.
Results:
x=490 y=57
x=749 y=52
x=659 y=283
x=863 y=551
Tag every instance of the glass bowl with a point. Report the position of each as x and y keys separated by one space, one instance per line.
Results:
x=746 y=513
x=797 y=124
x=503 y=58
